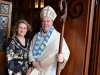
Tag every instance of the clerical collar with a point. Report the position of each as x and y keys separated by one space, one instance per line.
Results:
x=44 y=34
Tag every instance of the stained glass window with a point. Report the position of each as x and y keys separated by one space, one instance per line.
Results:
x=4 y=8
x=3 y=32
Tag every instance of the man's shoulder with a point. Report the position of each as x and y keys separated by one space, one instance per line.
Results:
x=56 y=32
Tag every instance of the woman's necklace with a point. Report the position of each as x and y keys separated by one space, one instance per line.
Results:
x=21 y=39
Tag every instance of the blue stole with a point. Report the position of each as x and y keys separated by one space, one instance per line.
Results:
x=38 y=50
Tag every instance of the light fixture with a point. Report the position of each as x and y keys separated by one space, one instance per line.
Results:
x=36 y=3
x=42 y=4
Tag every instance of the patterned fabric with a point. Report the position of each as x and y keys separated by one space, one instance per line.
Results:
x=38 y=50
x=17 y=57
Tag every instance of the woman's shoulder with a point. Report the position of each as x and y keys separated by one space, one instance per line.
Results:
x=56 y=32
x=11 y=39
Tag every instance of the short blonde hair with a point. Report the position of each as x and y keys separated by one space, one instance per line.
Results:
x=14 y=29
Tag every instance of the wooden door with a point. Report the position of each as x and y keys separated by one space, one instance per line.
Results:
x=98 y=43
x=5 y=22
x=78 y=35
x=94 y=67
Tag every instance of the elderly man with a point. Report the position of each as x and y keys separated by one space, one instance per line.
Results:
x=45 y=45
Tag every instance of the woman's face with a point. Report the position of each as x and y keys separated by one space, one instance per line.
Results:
x=22 y=29
x=46 y=24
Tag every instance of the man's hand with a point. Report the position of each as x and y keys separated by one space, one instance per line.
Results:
x=60 y=58
x=37 y=66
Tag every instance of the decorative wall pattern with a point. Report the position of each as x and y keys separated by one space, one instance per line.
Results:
x=75 y=9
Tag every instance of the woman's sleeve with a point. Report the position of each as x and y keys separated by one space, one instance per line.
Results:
x=10 y=56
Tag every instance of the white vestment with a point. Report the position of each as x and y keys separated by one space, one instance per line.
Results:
x=48 y=56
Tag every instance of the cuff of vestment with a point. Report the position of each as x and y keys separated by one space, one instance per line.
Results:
x=31 y=59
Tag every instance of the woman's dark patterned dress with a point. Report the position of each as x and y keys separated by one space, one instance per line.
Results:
x=17 y=57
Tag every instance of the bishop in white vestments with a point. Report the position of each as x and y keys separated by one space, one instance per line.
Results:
x=45 y=45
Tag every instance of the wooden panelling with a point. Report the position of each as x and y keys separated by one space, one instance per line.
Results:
x=98 y=64
x=6 y=35
x=98 y=67
x=2 y=63
x=95 y=53
x=75 y=33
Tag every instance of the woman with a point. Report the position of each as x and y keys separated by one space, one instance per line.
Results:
x=45 y=45
x=17 y=49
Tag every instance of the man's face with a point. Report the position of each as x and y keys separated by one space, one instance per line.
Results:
x=46 y=24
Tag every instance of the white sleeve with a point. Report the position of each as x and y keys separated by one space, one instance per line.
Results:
x=66 y=54
x=65 y=50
